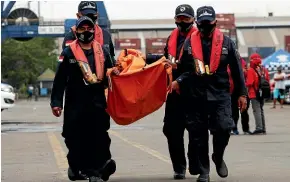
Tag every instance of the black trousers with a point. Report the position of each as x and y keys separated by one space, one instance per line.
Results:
x=205 y=115
x=174 y=127
x=88 y=141
x=236 y=115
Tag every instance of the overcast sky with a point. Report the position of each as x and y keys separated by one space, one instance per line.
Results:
x=149 y=9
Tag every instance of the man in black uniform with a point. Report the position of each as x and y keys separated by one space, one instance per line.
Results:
x=205 y=86
x=85 y=120
x=89 y=9
x=174 y=119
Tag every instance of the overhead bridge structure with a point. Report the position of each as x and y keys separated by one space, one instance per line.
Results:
x=23 y=24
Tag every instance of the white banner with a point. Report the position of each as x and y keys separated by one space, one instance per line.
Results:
x=51 y=30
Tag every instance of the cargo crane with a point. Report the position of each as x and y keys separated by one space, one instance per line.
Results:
x=23 y=24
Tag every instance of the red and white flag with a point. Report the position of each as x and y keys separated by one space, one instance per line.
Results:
x=60 y=59
x=68 y=42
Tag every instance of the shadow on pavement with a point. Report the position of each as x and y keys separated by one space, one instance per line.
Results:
x=149 y=179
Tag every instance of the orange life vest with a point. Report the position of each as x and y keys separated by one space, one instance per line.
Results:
x=98 y=33
x=139 y=89
x=172 y=42
x=216 y=49
x=98 y=55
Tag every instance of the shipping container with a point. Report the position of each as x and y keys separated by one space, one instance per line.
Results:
x=118 y=51
x=287 y=43
x=225 y=19
x=127 y=44
x=263 y=51
x=226 y=23
x=155 y=43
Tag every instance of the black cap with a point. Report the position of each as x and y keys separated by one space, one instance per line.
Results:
x=205 y=13
x=88 y=7
x=184 y=10
x=84 y=20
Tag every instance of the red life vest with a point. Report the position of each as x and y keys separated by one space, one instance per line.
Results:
x=98 y=55
x=216 y=49
x=172 y=42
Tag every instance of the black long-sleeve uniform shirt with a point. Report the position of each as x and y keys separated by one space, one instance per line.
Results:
x=69 y=79
x=108 y=44
x=180 y=41
x=212 y=87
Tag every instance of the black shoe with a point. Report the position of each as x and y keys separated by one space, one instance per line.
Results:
x=221 y=167
x=95 y=179
x=108 y=169
x=179 y=175
x=203 y=178
x=193 y=171
x=235 y=132
x=257 y=132
x=247 y=133
x=75 y=175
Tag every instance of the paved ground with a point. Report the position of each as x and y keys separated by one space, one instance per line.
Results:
x=33 y=150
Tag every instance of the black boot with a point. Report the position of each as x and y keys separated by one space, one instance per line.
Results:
x=74 y=175
x=178 y=175
x=95 y=179
x=258 y=132
x=203 y=178
x=108 y=169
x=221 y=167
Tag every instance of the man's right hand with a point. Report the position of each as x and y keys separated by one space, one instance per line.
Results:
x=56 y=111
x=173 y=65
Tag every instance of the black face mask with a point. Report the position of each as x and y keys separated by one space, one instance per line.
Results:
x=184 y=27
x=93 y=17
x=85 y=37
x=206 y=29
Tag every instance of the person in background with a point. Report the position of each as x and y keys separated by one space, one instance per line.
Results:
x=279 y=90
x=245 y=115
x=235 y=109
x=36 y=93
x=90 y=9
x=254 y=74
x=262 y=69
x=29 y=92
x=175 y=119
x=81 y=75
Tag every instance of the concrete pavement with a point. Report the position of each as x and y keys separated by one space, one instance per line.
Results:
x=33 y=150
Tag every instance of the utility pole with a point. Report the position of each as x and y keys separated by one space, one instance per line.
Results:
x=28 y=4
x=38 y=3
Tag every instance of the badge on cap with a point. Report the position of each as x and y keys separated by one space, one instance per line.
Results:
x=182 y=8
x=89 y=6
x=205 y=13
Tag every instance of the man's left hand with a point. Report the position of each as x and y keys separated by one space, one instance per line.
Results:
x=175 y=86
x=242 y=103
x=116 y=71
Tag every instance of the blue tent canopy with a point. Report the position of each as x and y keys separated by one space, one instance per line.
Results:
x=278 y=58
